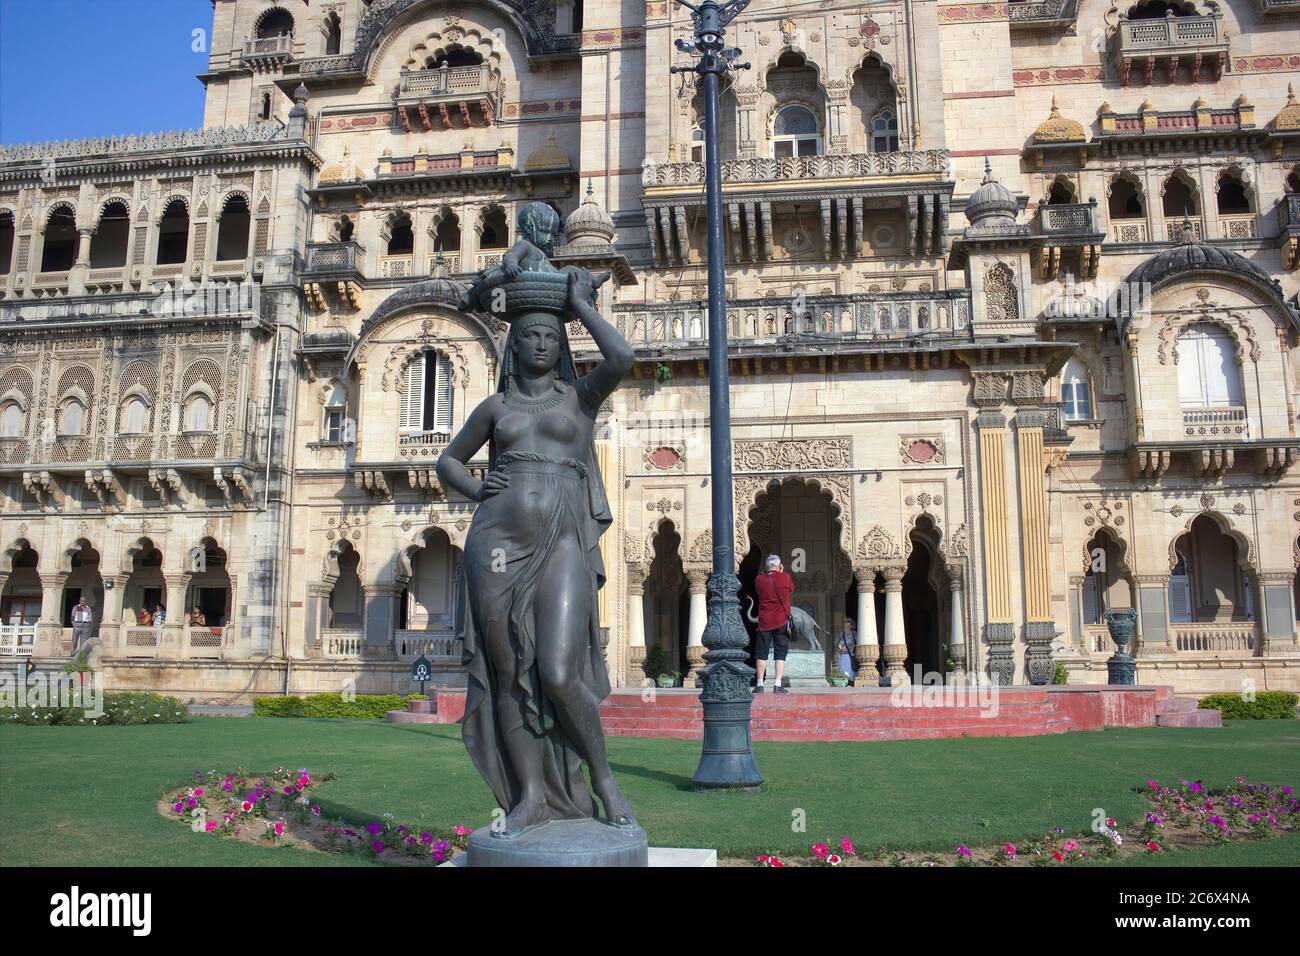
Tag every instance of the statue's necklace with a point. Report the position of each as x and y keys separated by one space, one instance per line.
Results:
x=535 y=406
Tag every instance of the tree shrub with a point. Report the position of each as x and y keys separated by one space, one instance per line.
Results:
x=330 y=706
x=119 y=709
x=1267 y=705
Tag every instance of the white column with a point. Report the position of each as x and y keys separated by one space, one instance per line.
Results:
x=956 y=621
x=867 y=651
x=636 y=575
x=895 y=649
x=699 y=610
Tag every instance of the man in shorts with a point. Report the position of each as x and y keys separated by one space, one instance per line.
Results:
x=774 y=588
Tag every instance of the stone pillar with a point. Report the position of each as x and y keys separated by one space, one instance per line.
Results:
x=1039 y=629
x=636 y=575
x=1273 y=594
x=49 y=629
x=1155 y=637
x=77 y=275
x=957 y=619
x=895 y=649
x=698 y=579
x=316 y=609
x=1078 y=633
x=173 y=632
x=999 y=628
x=380 y=618
x=867 y=651
x=110 y=623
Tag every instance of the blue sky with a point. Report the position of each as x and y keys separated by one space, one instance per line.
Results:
x=76 y=68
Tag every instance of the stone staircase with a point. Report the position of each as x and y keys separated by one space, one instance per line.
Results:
x=1183 y=712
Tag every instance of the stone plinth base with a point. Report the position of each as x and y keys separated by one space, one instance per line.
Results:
x=802 y=669
x=658 y=856
x=411 y=717
x=561 y=843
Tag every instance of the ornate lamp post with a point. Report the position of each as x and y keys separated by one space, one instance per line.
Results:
x=727 y=759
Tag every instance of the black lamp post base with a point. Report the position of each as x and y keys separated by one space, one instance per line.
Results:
x=727 y=760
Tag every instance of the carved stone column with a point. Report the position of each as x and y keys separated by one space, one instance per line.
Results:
x=867 y=651
x=49 y=629
x=698 y=579
x=895 y=648
x=1273 y=597
x=173 y=631
x=380 y=619
x=111 y=624
x=636 y=575
x=957 y=618
x=317 y=614
x=1155 y=635
x=1039 y=629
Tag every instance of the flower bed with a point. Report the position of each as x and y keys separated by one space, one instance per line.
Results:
x=277 y=809
x=1182 y=817
x=119 y=709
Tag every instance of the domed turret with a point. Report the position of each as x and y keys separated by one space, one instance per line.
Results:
x=991 y=206
x=1057 y=129
x=589 y=225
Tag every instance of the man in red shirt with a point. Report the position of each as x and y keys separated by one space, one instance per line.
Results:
x=774 y=588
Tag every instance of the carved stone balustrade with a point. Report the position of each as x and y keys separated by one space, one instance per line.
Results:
x=1170 y=42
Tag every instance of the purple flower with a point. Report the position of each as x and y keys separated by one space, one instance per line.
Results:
x=374 y=829
x=426 y=838
x=963 y=851
x=379 y=847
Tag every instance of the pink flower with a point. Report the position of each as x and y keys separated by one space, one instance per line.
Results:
x=1070 y=846
x=847 y=846
x=211 y=825
x=834 y=859
x=279 y=827
x=463 y=830
x=820 y=850
x=1153 y=785
x=288 y=789
x=198 y=791
x=1010 y=851
x=315 y=810
x=1110 y=821
x=178 y=807
x=963 y=851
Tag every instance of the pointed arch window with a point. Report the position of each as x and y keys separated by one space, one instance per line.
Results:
x=135 y=416
x=428 y=395
x=72 y=417
x=1076 y=393
x=884 y=132
x=11 y=420
x=794 y=133
x=336 y=406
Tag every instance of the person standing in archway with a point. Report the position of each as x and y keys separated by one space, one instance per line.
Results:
x=82 y=618
x=774 y=588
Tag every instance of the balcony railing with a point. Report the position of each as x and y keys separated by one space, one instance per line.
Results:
x=488 y=260
x=1128 y=230
x=926 y=162
x=395 y=267
x=861 y=317
x=435 y=645
x=1174 y=230
x=343 y=644
x=1215 y=423
x=1238 y=226
x=450 y=262
x=446 y=81
x=1171 y=39
x=1068 y=219
x=272 y=49
x=17 y=640
x=329 y=258
x=1288 y=210
x=422 y=444
x=1234 y=636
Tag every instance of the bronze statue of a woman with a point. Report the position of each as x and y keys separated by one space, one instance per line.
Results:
x=532 y=564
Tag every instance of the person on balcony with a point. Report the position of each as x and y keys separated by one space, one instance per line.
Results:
x=196 y=618
x=144 y=618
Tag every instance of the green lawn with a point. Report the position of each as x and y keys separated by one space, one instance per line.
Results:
x=85 y=795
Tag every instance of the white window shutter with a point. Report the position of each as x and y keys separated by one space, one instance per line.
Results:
x=1091 y=600
x=442 y=414
x=412 y=410
x=1191 y=388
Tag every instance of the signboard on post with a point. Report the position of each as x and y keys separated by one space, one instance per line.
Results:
x=422 y=671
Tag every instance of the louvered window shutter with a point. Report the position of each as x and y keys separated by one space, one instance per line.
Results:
x=412 y=411
x=443 y=410
x=1180 y=599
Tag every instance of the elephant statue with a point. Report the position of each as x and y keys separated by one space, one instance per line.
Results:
x=802 y=627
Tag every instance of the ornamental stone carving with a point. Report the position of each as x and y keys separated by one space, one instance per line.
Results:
x=1001 y=301
x=701 y=550
x=794 y=454
x=990 y=388
x=877 y=545
x=915 y=450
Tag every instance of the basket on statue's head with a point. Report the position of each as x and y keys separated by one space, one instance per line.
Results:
x=529 y=291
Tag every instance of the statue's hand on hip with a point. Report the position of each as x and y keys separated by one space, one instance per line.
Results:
x=495 y=482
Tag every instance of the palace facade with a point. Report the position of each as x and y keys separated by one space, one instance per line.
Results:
x=1013 y=335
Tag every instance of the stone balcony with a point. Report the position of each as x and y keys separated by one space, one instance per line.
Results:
x=1042 y=14
x=1171 y=43
x=1069 y=232
x=263 y=54
x=847 y=190
x=887 y=319
x=429 y=99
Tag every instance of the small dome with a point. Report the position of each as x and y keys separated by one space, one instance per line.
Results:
x=341 y=172
x=1289 y=116
x=333 y=336
x=549 y=156
x=1190 y=256
x=1057 y=129
x=589 y=225
x=992 y=204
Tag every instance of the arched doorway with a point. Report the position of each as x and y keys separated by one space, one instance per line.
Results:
x=145 y=588
x=83 y=580
x=427 y=613
x=925 y=597
x=345 y=596
x=799 y=521
x=20 y=601
x=1209 y=582
x=667 y=602
x=1106 y=587
x=210 y=590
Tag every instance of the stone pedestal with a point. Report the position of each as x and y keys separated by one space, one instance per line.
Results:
x=895 y=655
x=561 y=843
x=802 y=669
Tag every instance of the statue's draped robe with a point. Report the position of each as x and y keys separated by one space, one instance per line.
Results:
x=574 y=501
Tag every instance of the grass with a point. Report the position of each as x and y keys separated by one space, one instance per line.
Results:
x=84 y=796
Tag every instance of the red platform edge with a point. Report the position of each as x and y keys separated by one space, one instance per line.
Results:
x=882 y=714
